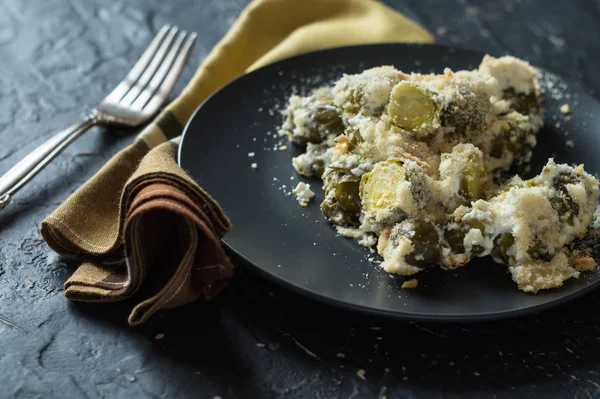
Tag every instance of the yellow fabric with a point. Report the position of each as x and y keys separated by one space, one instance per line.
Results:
x=93 y=223
x=269 y=30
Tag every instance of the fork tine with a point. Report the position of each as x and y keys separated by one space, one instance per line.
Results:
x=138 y=68
x=151 y=69
x=154 y=84
x=169 y=82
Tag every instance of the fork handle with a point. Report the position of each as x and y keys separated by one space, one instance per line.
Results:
x=29 y=166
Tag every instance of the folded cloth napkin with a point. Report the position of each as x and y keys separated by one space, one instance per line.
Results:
x=141 y=225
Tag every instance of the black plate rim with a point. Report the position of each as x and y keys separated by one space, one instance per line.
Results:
x=397 y=314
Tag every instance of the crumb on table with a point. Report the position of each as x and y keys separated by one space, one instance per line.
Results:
x=565 y=109
x=254 y=165
x=303 y=194
x=361 y=374
x=414 y=283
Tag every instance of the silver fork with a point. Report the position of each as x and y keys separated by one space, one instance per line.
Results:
x=134 y=101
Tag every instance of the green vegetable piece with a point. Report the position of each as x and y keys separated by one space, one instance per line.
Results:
x=497 y=147
x=325 y=119
x=501 y=246
x=348 y=196
x=343 y=207
x=561 y=180
x=356 y=138
x=337 y=215
x=318 y=167
x=412 y=108
x=521 y=102
x=476 y=224
x=469 y=112
x=378 y=188
x=329 y=118
x=566 y=208
x=537 y=251
x=354 y=102
x=511 y=139
x=455 y=237
x=425 y=240
x=470 y=184
x=563 y=204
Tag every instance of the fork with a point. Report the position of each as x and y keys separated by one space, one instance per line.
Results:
x=134 y=101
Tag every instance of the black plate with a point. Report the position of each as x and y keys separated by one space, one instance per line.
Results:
x=299 y=248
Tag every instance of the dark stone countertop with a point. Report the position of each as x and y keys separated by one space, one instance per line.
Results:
x=58 y=57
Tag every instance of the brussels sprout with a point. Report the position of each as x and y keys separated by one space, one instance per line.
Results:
x=502 y=244
x=367 y=92
x=317 y=168
x=521 y=102
x=412 y=108
x=470 y=186
x=511 y=139
x=425 y=240
x=468 y=113
x=313 y=161
x=455 y=237
x=324 y=120
x=471 y=180
x=420 y=188
x=342 y=201
x=348 y=197
x=378 y=188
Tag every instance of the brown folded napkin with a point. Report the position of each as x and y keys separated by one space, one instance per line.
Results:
x=141 y=225
x=171 y=241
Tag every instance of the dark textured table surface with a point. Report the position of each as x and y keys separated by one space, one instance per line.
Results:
x=58 y=57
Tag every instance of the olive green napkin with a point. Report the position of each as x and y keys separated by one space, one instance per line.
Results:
x=141 y=226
